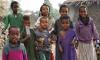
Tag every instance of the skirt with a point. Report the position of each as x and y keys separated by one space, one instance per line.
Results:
x=86 y=51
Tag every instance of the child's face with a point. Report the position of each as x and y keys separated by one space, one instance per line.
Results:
x=26 y=22
x=64 y=11
x=14 y=35
x=65 y=24
x=83 y=12
x=15 y=8
x=44 y=23
x=45 y=10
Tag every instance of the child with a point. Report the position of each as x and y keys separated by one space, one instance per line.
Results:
x=42 y=35
x=45 y=11
x=15 y=18
x=28 y=37
x=63 y=11
x=66 y=36
x=86 y=33
x=14 y=50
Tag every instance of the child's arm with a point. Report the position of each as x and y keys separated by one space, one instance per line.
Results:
x=4 y=54
x=59 y=45
x=77 y=30
x=95 y=32
x=25 y=57
x=25 y=38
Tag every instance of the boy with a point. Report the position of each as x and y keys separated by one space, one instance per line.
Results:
x=28 y=37
x=14 y=50
x=14 y=19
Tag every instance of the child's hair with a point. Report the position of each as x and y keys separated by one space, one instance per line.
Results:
x=85 y=20
x=64 y=18
x=12 y=27
x=82 y=6
x=26 y=17
x=43 y=18
x=12 y=3
x=63 y=6
x=42 y=6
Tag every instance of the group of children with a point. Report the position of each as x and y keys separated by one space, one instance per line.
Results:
x=48 y=33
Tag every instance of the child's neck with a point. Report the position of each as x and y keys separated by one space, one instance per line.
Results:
x=41 y=29
x=15 y=13
x=66 y=29
x=45 y=15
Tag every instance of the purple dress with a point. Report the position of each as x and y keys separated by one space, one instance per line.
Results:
x=69 y=52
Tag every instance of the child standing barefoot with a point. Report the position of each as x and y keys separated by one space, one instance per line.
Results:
x=86 y=33
x=64 y=10
x=66 y=37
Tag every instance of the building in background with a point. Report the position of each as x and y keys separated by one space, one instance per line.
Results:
x=3 y=7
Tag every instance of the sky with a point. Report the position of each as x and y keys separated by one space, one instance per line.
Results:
x=34 y=5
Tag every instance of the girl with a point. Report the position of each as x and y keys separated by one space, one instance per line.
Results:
x=45 y=11
x=86 y=33
x=28 y=37
x=14 y=50
x=66 y=36
x=64 y=10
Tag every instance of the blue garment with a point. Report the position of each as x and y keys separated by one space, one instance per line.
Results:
x=65 y=42
x=45 y=50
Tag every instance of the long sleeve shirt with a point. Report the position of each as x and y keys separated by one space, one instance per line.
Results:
x=14 y=52
x=86 y=33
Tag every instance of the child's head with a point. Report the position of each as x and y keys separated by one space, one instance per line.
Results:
x=83 y=11
x=26 y=20
x=64 y=9
x=44 y=10
x=65 y=22
x=14 y=34
x=14 y=6
x=44 y=22
x=83 y=15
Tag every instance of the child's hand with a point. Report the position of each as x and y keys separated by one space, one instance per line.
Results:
x=62 y=34
x=75 y=43
x=60 y=49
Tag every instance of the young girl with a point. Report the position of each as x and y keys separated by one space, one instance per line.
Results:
x=45 y=11
x=14 y=50
x=28 y=37
x=63 y=11
x=65 y=42
x=86 y=33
